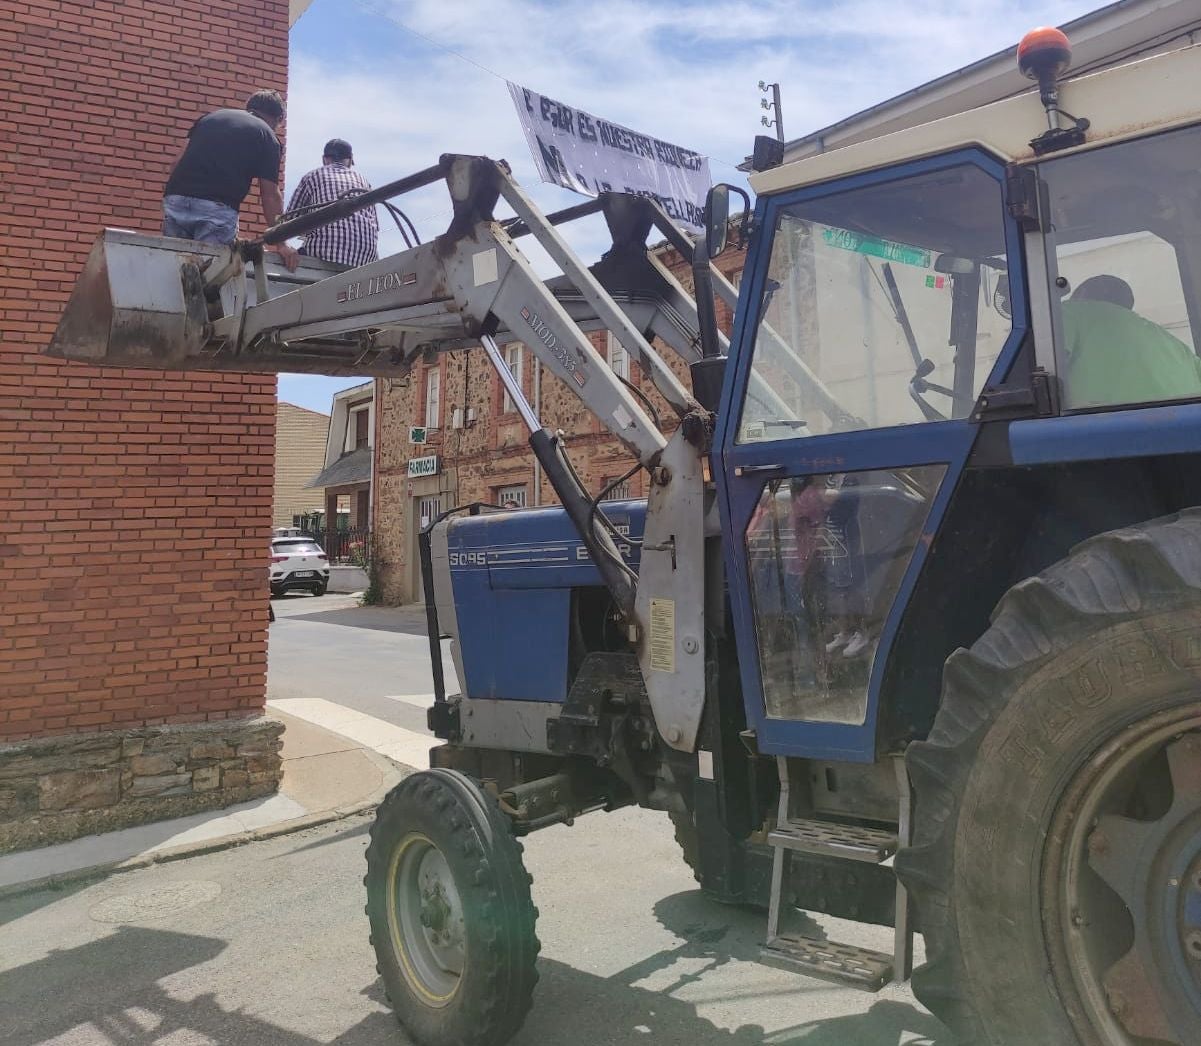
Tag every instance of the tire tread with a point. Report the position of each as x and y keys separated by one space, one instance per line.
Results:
x=502 y=995
x=1103 y=581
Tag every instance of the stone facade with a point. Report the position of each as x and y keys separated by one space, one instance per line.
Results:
x=481 y=446
x=58 y=788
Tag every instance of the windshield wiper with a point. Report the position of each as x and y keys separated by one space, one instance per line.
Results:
x=921 y=365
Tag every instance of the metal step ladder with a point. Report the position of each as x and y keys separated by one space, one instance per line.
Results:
x=845 y=964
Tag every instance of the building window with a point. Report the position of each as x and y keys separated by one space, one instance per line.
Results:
x=513 y=359
x=512 y=496
x=618 y=358
x=358 y=427
x=433 y=396
x=621 y=492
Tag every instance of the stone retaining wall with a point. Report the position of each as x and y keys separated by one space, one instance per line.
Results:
x=58 y=788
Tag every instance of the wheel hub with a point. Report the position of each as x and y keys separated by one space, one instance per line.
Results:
x=1131 y=885
x=430 y=935
x=440 y=912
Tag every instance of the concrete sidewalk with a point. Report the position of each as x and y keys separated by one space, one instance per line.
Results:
x=325 y=776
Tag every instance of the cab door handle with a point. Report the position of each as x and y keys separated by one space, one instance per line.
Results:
x=753 y=470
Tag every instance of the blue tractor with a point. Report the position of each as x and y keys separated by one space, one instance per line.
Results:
x=908 y=630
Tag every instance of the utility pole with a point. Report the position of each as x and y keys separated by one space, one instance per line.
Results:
x=772 y=106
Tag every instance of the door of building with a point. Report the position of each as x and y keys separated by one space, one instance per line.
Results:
x=425 y=510
x=428 y=509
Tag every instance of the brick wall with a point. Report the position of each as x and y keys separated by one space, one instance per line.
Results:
x=493 y=451
x=134 y=507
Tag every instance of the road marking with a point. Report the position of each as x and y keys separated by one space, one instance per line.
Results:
x=404 y=746
x=416 y=700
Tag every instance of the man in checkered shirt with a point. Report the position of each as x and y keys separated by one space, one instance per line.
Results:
x=352 y=240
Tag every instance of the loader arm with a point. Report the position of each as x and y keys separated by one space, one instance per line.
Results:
x=176 y=305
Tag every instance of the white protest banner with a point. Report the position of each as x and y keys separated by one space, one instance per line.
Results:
x=582 y=152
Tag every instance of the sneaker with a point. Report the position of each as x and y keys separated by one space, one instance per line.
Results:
x=858 y=644
x=840 y=640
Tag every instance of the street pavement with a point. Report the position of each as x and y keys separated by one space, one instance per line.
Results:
x=371 y=660
x=267 y=943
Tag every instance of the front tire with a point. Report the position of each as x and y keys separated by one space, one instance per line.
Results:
x=1057 y=849
x=320 y=587
x=451 y=917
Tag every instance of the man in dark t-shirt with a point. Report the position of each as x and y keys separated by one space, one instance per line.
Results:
x=226 y=151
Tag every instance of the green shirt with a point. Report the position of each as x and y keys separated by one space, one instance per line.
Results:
x=1116 y=356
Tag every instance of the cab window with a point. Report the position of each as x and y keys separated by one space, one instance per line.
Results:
x=1125 y=224
x=883 y=305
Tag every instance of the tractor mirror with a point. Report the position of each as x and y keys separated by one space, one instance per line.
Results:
x=717 y=219
x=948 y=263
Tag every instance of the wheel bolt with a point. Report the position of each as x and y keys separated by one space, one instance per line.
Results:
x=1192 y=944
x=1117 y=1003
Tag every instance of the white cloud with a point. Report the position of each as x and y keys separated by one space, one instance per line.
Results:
x=684 y=70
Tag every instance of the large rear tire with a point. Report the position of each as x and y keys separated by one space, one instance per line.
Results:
x=451 y=917
x=1056 y=864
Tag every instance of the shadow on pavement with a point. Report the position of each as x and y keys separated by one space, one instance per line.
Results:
x=13 y=908
x=887 y=1023
x=716 y=932
x=109 y=991
x=572 y=1007
x=360 y=825
x=377 y=619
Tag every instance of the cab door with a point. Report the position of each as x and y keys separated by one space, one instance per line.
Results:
x=874 y=311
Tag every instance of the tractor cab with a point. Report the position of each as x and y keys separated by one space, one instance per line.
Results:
x=942 y=289
x=902 y=291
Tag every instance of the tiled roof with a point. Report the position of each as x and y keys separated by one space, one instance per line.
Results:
x=354 y=467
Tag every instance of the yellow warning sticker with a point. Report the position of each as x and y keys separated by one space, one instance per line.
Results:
x=663 y=635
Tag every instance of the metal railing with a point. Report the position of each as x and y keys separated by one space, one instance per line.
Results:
x=348 y=547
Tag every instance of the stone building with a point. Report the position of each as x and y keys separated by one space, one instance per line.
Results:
x=475 y=444
x=300 y=438
x=137 y=504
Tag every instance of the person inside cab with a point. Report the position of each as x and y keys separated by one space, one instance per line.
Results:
x=1114 y=355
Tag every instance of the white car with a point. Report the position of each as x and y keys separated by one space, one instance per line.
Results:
x=298 y=562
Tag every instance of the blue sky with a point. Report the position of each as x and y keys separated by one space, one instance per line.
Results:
x=380 y=74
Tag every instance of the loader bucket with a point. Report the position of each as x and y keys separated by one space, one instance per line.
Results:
x=139 y=302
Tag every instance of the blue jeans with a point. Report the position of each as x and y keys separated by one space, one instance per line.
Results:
x=191 y=218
